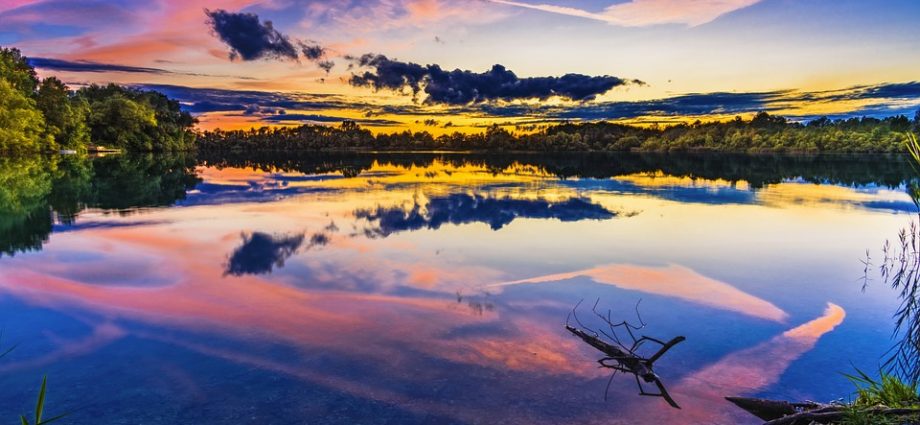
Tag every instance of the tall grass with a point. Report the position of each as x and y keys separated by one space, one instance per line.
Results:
x=888 y=390
x=900 y=268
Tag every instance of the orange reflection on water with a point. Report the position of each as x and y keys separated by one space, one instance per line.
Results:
x=673 y=281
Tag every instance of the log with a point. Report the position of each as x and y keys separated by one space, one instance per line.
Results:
x=835 y=414
x=769 y=410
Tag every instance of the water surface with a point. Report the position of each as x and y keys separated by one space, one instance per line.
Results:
x=432 y=288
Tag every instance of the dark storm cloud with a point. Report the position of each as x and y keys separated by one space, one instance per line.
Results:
x=461 y=208
x=460 y=87
x=248 y=38
x=262 y=252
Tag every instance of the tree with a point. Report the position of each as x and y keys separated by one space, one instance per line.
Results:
x=16 y=70
x=121 y=122
x=21 y=123
x=65 y=115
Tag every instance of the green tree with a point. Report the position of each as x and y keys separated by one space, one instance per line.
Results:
x=121 y=122
x=15 y=68
x=65 y=115
x=21 y=123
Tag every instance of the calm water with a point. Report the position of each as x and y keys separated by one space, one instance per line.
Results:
x=433 y=288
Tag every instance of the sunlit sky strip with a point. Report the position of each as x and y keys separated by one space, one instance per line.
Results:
x=677 y=47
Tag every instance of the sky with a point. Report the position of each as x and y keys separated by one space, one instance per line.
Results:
x=448 y=65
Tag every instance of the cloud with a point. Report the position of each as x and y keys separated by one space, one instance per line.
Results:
x=460 y=87
x=317 y=54
x=202 y=99
x=647 y=12
x=350 y=18
x=315 y=118
x=87 y=66
x=248 y=38
x=879 y=100
x=252 y=40
x=461 y=208
x=313 y=51
x=60 y=18
x=261 y=252
x=671 y=281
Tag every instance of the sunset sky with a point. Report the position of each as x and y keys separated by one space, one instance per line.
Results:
x=629 y=60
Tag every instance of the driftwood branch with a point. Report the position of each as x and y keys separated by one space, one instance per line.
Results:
x=623 y=357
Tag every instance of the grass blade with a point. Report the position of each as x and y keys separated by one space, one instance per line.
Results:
x=40 y=404
x=52 y=419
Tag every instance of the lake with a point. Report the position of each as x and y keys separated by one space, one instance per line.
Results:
x=433 y=288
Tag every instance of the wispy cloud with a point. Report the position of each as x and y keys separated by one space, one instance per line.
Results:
x=647 y=12
x=98 y=67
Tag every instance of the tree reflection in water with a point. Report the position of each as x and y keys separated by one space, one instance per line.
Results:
x=38 y=192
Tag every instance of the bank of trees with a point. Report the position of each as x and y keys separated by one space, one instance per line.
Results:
x=44 y=115
x=763 y=133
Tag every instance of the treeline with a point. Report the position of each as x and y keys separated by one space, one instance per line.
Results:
x=46 y=116
x=763 y=133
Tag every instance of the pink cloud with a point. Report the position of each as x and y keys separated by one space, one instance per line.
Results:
x=672 y=281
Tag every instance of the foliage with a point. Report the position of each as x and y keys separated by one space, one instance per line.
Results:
x=136 y=120
x=763 y=133
x=888 y=390
x=900 y=268
x=21 y=123
x=65 y=115
x=861 y=416
x=40 y=408
x=45 y=116
x=15 y=69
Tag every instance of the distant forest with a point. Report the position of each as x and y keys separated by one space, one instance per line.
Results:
x=46 y=116
x=763 y=133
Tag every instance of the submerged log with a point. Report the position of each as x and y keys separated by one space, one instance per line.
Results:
x=769 y=410
x=837 y=414
x=777 y=412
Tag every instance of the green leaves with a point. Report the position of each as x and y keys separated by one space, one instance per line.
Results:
x=40 y=408
x=888 y=390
